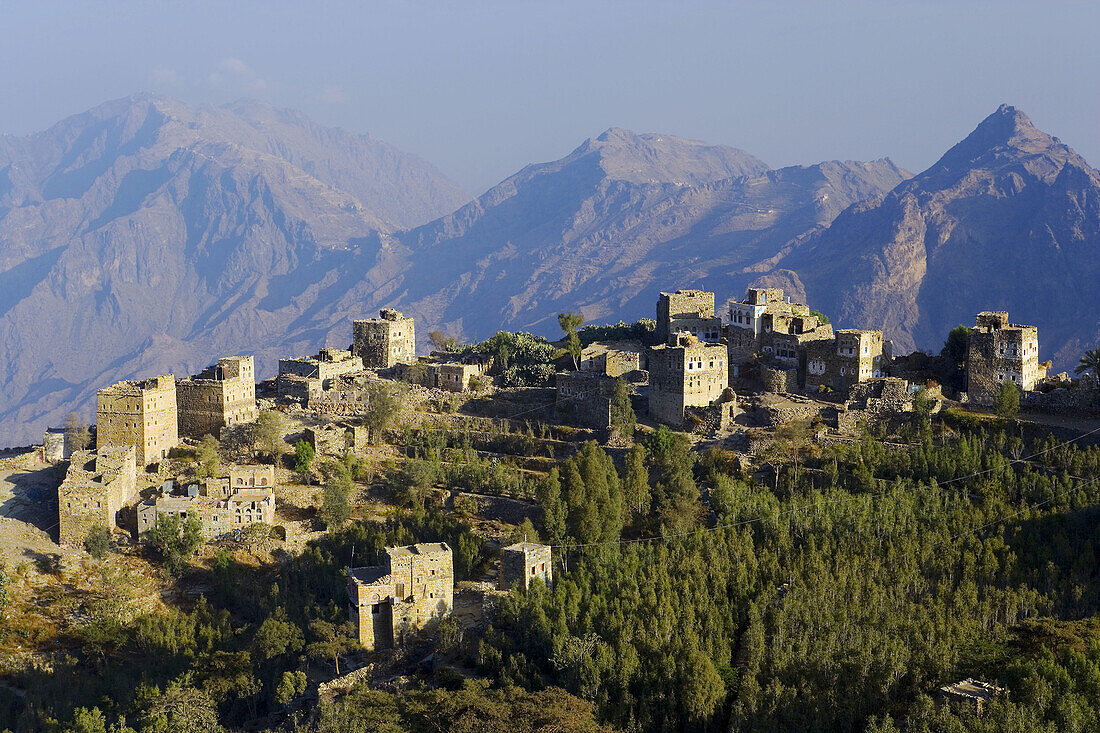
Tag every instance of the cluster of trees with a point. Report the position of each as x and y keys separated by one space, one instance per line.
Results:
x=522 y=359
x=462 y=706
x=865 y=581
x=641 y=330
x=240 y=654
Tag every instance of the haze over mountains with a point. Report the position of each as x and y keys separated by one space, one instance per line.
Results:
x=148 y=236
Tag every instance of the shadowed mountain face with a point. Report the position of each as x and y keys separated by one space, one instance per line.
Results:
x=606 y=228
x=1008 y=219
x=147 y=236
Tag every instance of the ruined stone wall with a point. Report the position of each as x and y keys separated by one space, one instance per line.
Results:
x=1082 y=401
x=779 y=379
x=96 y=486
x=291 y=387
x=523 y=562
x=141 y=414
x=612 y=362
x=712 y=418
x=998 y=352
x=386 y=341
x=585 y=397
x=325 y=367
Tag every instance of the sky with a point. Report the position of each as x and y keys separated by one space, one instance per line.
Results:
x=481 y=89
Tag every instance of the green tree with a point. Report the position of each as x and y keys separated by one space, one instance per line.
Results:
x=303 y=459
x=77 y=432
x=277 y=636
x=1090 y=362
x=569 y=323
x=206 y=456
x=548 y=493
x=226 y=675
x=821 y=317
x=383 y=404
x=636 y=496
x=268 y=433
x=180 y=709
x=954 y=349
x=175 y=540
x=1007 y=402
x=98 y=541
x=335 y=508
x=329 y=641
x=290 y=686
x=622 y=411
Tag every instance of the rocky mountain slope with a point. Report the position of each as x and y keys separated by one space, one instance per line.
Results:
x=147 y=236
x=1008 y=219
x=606 y=228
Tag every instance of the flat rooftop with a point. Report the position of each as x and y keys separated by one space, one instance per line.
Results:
x=424 y=548
x=526 y=546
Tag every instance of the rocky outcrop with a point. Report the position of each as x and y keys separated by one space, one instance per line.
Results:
x=146 y=236
x=608 y=227
x=1008 y=219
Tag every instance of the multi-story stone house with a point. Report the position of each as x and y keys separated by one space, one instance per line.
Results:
x=385 y=341
x=222 y=394
x=852 y=356
x=997 y=352
x=523 y=562
x=766 y=326
x=139 y=413
x=683 y=373
x=222 y=505
x=97 y=485
x=413 y=587
x=688 y=311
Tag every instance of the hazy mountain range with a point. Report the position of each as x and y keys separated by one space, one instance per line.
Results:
x=148 y=236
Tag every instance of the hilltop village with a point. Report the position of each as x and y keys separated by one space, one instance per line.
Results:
x=194 y=467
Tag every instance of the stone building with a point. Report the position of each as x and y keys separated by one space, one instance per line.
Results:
x=690 y=311
x=611 y=362
x=385 y=341
x=415 y=586
x=769 y=327
x=217 y=517
x=523 y=562
x=685 y=372
x=970 y=692
x=222 y=505
x=455 y=376
x=325 y=367
x=141 y=414
x=55 y=445
x=97 y=485
x=852 y=356
x=882 y=400
x=997 y=352
x=293 y=388
x=222 y=394
x=585 y=397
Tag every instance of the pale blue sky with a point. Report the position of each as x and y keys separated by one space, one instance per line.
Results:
x=483 y=88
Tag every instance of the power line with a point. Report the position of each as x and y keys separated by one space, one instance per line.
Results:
x=857 y=497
